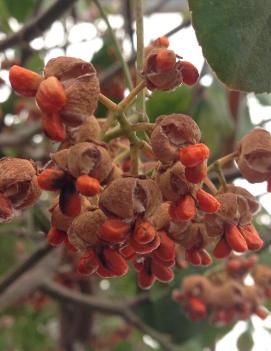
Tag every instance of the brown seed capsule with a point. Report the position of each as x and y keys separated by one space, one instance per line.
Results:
x=251 y=200
x=128 y=197
x=254 y=155
x=173 y=183
x=84 y=228
x=61 y=159
x=59 y=220
x=81 y=87
x=161 y=218
x=88 y=131
x=160 y=80
x=82 y=94
x=18 y=182
x=172 y=132
x=89 y=159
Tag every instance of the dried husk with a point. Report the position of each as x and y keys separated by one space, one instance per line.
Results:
x=198 y=286
x=88 y=131
x=172 y=132
x=81 y=84
x=253 y=204
x=59 y=220
x=82 y=94
x=18 y=182
x=195 y=236
x=229 y=294
x=61 y=159
x=128 y=197
x=254 y=155
x=32 y=195
x=155 y=80
x=90 y=159
x=173 y=183
x=82 y=232
x=234 y=210
x=65 y=68
x=176 y=230
x=161 y=218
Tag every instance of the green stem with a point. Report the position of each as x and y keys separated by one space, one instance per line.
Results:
x=140 y=101
x=125 y=67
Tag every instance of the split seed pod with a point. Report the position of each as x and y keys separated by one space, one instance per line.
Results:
x=129 y=197
x=172 y=132
x=157 y=79
x=81 y=86
x=83 y=231
x=254 y=155
x=89 y=159
x=18 y=182
x=173 y=183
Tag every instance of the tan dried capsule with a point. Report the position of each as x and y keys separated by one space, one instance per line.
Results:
x=172 y=132
x=32 y=194
x=128 y=197
x=229 y=294
x=234 y=210
x=251 y=200
x=88 y=131
x=160 y=80
x=65 y=68
x=81 y=84
x=195 y=236
x=83 y=231
x=90 y=159
x=82 y=94
x=18 y=182
x=59 y=220
x=61 y=159
x=161 y=218
x=173 y=183
x=198 y=286
x=254 y=155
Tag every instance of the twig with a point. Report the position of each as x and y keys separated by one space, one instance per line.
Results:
x=120 y=309
x=23 y=267
x=124 y=65
x=37 y=26
x=140 y=100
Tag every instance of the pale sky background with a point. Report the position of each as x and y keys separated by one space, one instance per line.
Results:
x=185 y=44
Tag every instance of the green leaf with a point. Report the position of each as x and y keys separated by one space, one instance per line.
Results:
x=19 y=9
x=245 y=341
x=235 y=38
x=164 y=103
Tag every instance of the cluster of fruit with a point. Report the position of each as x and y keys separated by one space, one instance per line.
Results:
x=108 y=216
x=225 y=296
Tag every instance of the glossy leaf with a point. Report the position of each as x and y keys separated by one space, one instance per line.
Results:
x=235 y=38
